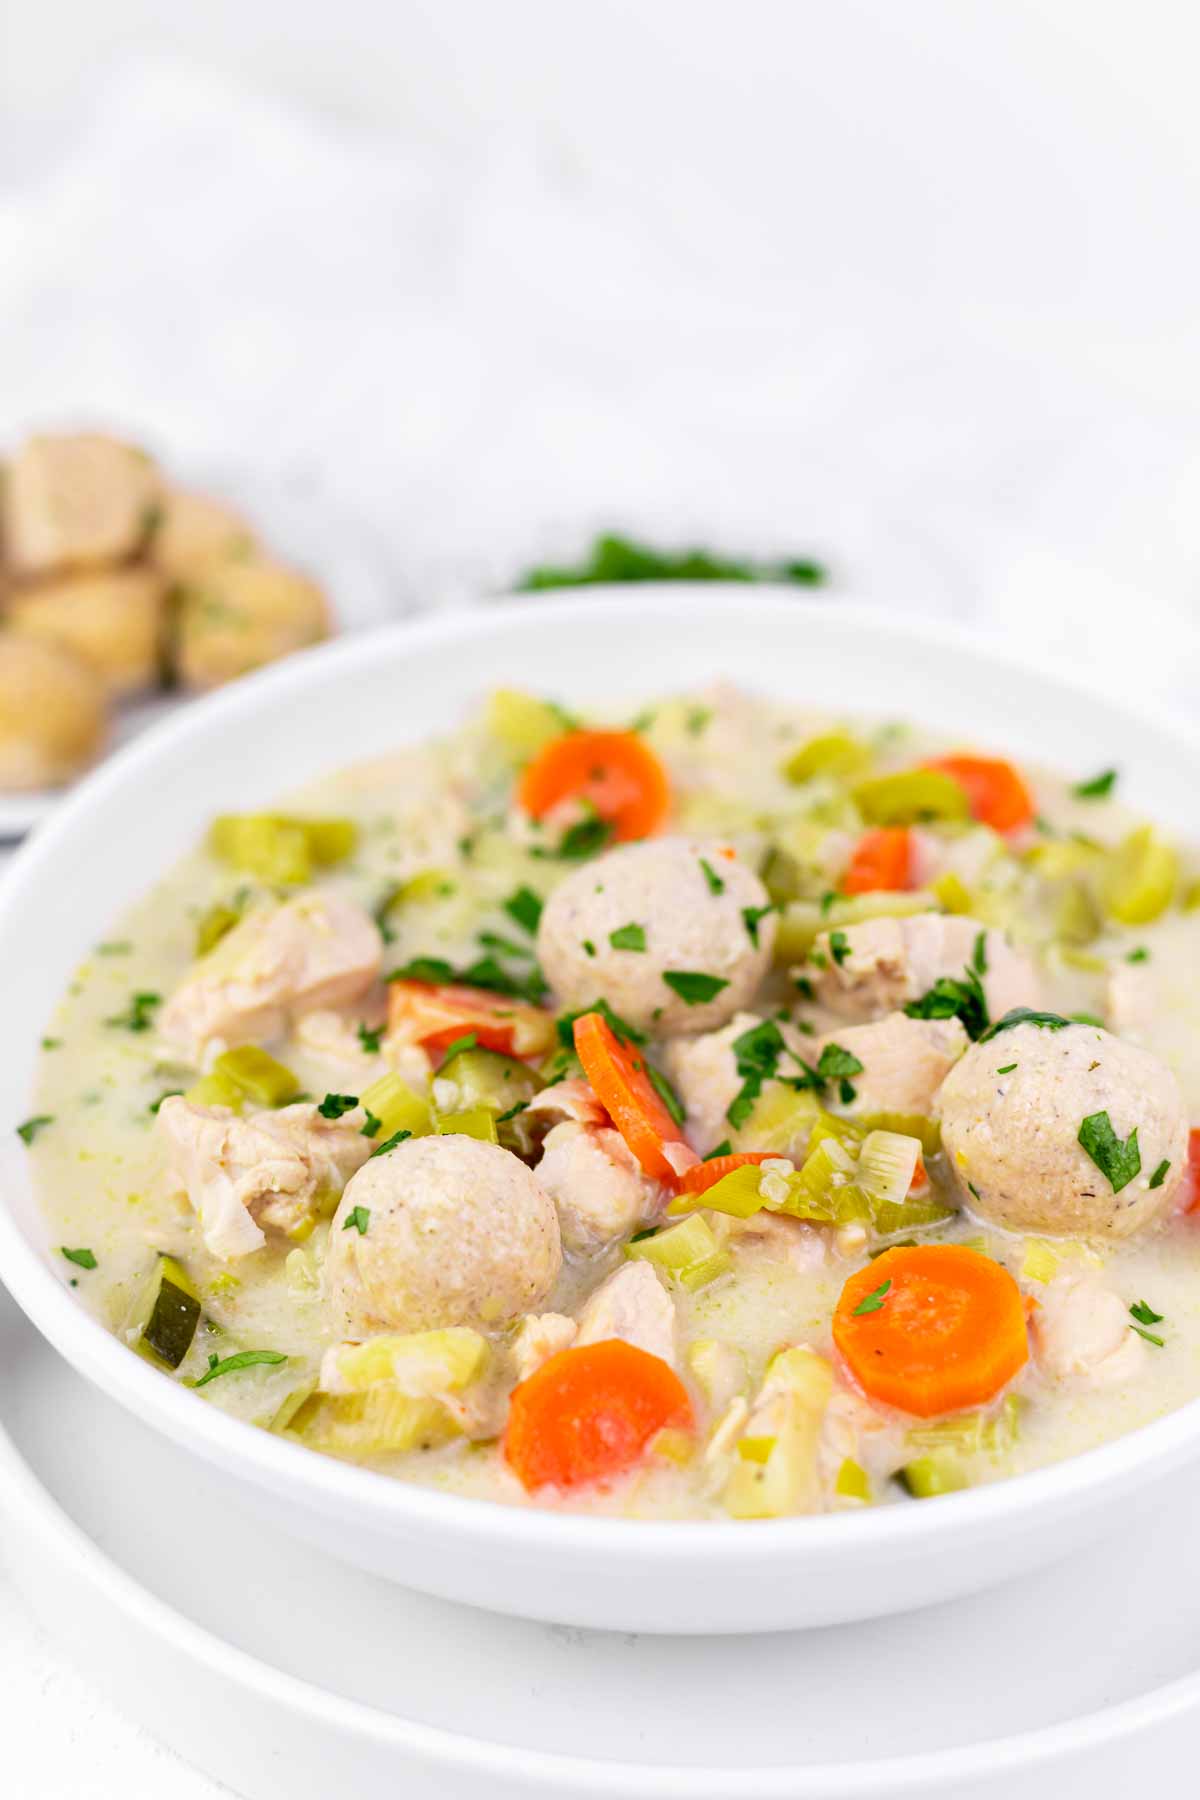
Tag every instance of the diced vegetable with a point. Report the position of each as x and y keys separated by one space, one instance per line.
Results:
x=420 y=1363
x=802 y=922
x=380 y=1421
x=397 y=1108
x=882 y=862
x=952 y=893
x=779 y=1122
x=257 y=1074
x=521 y=723
x=833 y=753
x=910 y=797
x=214 y=924
x=475 y=1122
x=974 y=1433
x=488 y=1078
x=165 y=1314
x=928 y=1476
x=853 y=1482
x=1140 y=877
x=782 y=876
x=614 y=772
x=995 y=791
x=618 y=1077
x=688 y=1252
x=279 y=849
x=436 y=1015
x=928 y=1132
x=719 y=1370
x=1040 y=1261
x=216 y=1090
x=711 y=1179
x=1077 y=918
x=589 y=1414
x=281 y=1419
x=775 y=1471
x=948 y=1331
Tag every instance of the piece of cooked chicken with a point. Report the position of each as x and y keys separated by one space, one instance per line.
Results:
x=77 y=502
x=273 y=1171
x=883 y=964
x=597 y=1185
x=538 y=1337
x=439 y=1231
x=316 y=951
x=1081 y=1332
x=113 y=621
x=703 y=1071
x=905 y=1061
x=634 y=1305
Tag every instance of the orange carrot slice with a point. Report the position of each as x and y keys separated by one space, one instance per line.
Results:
x=617 y=1073
x=997 y=795
x=421 y=1013
x=1190 y=1186
x=614 y=771
x=588 y=1414
x=931 y=1329
x=703 y=1175
x=882 y=862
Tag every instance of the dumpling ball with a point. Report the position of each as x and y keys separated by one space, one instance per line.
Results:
x=240 y=614
x=112 y=620
x=52 y=714
x=1012 y=1111
x=195 y=529
x=439 y=1231
x=675 y=933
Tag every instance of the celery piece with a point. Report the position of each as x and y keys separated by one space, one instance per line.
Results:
x=488 y=1078
x=216 y=1090
x=719 y=1371
x=852 y=1482
x=1083 y=960
x=952 y=895
x=832 y=753
x=826 y=1125
x=420 y=890
x=213 y=925
x=928 y=1476
x=521 y=724
x=887 y=1163
x=257 y=1074
x=397 y=1108
x=688 y=1252
x=782 y=876
x=330 y=840
x=928 y=1132
x=802 y=922
x=673 y=1446
x=756 y=1449
x=736 y=1194
x=1140 y=877
x=913 y=1214
x=1077 y=918
x=276 y=850
x=420 y=1363
x=291 y=1404
x=786 y=1479
x=378 y=1422
x=973 y=1433
x=910 y=796
x=780 y=1121
x=799 y=1371
x=698 y=1274
x=473 y=1122
x=1040 y=1261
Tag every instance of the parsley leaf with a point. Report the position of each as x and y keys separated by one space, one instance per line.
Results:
x=839 y=947
x=139 y=1015
x=455 y=1047
x=1118 y=1161
x=756 y=1054
x=614 y=558
x=357 y=1219
x=1098 y=788
x=244 y=1359
x=1140 y=955
x=525 y=909
x=622 y=1030
x=1160 y=1174
x=83 y=1259
x=334 y=1105
x=979 y=961
x=724 y=1148
x=371 y=1128
x=29 y=1130
x=874 y=1300
x=949 y=998
x=397 y=1137
x=433 y=969
x=370 y=1040
x=716 y=884
x=693 y=987
x=484 y=973
x=628 y=937
x=835 y=1062
x=1145 y=1315
x=751 y=917
x=1007 y=1069
x=579 y=841
x=492 y=940
x=666 y=1094
x=1025 y=1015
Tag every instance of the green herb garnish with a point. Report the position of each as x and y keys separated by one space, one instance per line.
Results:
x=357 y=1219
x=1099 y=787
x=244 y=1359
x=666 y=1094
x=139 y=1015
x=693 y=987
x=1007 y=1069
x=839 y=947
x=333 y=1106
x=752 y=917
x=628 y=937
x=1140 y=955
x=724 y=1148
x=371 y=1128
x=170 y=1094
x=29 y=1130
x=1145 y=1315
x=457 y=1045
x=621 y=559
x=756 y=1054
x=1160 y=1174
x=874 y=1300
x=715 y=882
x=949 y=998
x=370 y=1040
x=525 y=909
x=1118 y=1161
x=397 y=1137
x=621 y=1029
x=83 y=1259
x=1026 y=1015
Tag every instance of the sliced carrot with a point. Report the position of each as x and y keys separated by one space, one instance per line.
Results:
x=432 y=1016
x=932 y=1328
x=881 y=863
x=614 y=771
x=588 y=1414
x=617 y=1073
x=1190 y=1186
x=997 y=795
x=703 y=1175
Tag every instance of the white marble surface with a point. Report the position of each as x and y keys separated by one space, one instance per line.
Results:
x=916 y=287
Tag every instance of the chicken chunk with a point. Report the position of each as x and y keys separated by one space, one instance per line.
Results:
x=704 y=1073
x=539 y=1337
x=243 y=1177
x=77 y=502
x=634 y=1305
x=886 y=963
x=597 y=1186
x=905 y=1061
x=316 y=951
x=1081 y=1332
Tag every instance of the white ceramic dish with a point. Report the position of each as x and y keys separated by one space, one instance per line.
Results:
x=352 y=699
x=291 y=1685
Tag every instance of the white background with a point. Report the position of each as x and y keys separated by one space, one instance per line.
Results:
x=916 y=285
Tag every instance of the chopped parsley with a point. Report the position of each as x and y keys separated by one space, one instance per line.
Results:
x=170 y=1094
x=950 y=998
x=492 y=940
x=589 y=947
x=756 y=1054
x=1027 y=1015
x=804 y=987
x=1006 y=1069
x=83 y=1259
x=51 y=1043
x=371 y=1128
x=456 y=1047
x=117 y=947
x=357 y=1219
x=397 y=1137
x=485 y=973
x=504 y=1117
x=1160 y=1174
x=752 y=916
x=628 y=937
x=666 y=1094
x=838 y=1064
x=716 y=884
x=1099 y=787
x=698 y=719
x=622 y=1030
x=839 y=947
x=693 y=987
x=244 y=1359
x=370 y=1040
x=1144 y=1315
x=1117 y=1161
x=979 y=960
x=613 y=558
x=583 y=839
x=874 y=1300
x=525 y=909
x=1085 y=1019
x=29 y=1130
x=1140 y=955
x=724 y=1148
x=139 y=1015
x=974 y=1190
x=333 y=1106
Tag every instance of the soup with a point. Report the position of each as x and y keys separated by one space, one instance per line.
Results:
x=733 y=1112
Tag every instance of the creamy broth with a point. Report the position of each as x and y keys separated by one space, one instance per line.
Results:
x=440 y=846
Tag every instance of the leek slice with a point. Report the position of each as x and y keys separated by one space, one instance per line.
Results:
x=834 y=753
x=257 y=1075
x=736 y=1194
x=887 y=1163
x=378 y=1422
x=853 y=1482
x=974 y=1433
x=674 y=1446
x=1140 y=877
x=1040 y=1261
x=504 y=1087
x=290 y=1405
x=953 y=896
x=397 y=1108
x=476 y=1122
x=911 y=796
x=929 y=1476
x=719 y=1370
x=279 y=849
x=803 y=921
x=780 y=1120
x=422 y=1364
x=928 y=1132
x=688 y=1252
x=521 y=724
x=1077 y=918
x=216 y=1090
x=800 y=1371
x=214 y=924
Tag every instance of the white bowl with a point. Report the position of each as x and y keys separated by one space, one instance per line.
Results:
x=359 y=697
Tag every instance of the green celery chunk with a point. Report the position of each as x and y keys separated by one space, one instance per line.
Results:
x=952 y=895
x=380 y=1421
x=832 y=753
x=852 y=1482
x=522 y=724
x=928 y=1476
x=475 y=1122
x=1140 y=877
x=420 y=1363
x=911 y=796
x=330 y=840
x=736 y=1194
x=802 y=921
x=928 y=1132
x=280 y=849
x=397 y=1108
x=213 y=925
x=780 y=1120
x=216 y=1090
x=489 y=1078
x=257 y=1075
x=688 y=1252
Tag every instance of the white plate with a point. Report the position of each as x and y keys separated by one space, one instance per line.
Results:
x=291 y=1677
x=298 y=526
x=354 y=698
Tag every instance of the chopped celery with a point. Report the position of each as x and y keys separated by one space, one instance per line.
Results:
x=780 y=1120
x=474 y=1122
x=736 y=1194
x=216 y=1090
x=397 y=1108
x=835 y=1188
x=290 y=1405
x=420 y=1363
x=887 y=1163
x=974 y=1433
x=786 y=1427
x=1077 y=918
x=801 y=1372
x=927 y=1132
x=756 y=1449
x=277 y=850
x=1057 y=859
x=257 y=1074
x=852 y=1481
x=213 y=925
x=928 y=1476
x=833 y=753
x=330 y=840
x=1140 y=877
x=688 y=1252
x=719 y=1370
x=489 y=1079
x=802 y=922
x=699 y=1274
x=1040 y=1261
x=782 y=876
x=165 y=1315
x=1083 y=960
x=378 y=1422
x=673 y=1445
x=911 y=796
x=522 y=724
x=953 y=896
x=848 y=1132
x=420 y=890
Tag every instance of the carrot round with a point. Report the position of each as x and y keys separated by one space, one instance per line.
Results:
x=614 y=771
x=618 y=1078
x=995 y=791
x=882 y=862
x=703 y=1175
x=588 y=1414
x=931 y=1329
